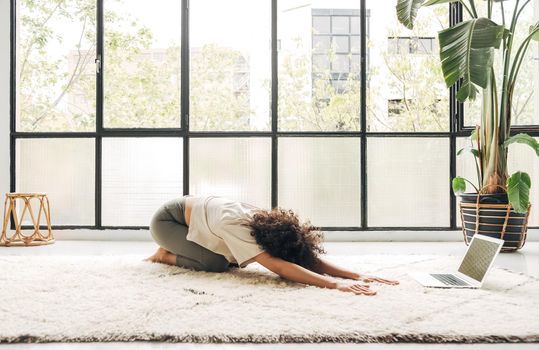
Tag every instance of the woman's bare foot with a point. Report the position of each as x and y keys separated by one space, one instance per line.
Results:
x=159 y=256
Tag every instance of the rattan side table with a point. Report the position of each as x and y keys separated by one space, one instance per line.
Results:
x=10 y=210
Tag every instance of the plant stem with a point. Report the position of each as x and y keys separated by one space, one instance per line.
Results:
x=503 y=23
x=474 y=11
x=519 y=57
x=476 y=162
x=507 y=59
x=467 y=9
x=468 y=181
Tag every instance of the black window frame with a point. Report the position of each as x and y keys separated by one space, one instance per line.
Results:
x=455 y=120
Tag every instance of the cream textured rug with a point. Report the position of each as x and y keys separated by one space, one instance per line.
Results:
x=121 y=298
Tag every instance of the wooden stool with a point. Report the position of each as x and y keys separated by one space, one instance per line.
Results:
x=18 y=238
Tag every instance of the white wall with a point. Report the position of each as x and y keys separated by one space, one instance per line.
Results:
x=4 y=97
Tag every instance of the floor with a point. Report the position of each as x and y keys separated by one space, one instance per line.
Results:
x=526 y=261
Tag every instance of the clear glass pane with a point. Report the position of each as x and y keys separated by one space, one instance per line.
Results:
x=319 y=178
x=317 y=94
x=65 y=170
x=408 y=181
x=230 y=78
x=142 y=64
x=139 y=175
x=401 y=70
x=525 y=104
x=520 y=158
x=55 y=66
x=237 y=168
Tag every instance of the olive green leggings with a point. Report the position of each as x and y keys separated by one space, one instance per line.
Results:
x=169 y=230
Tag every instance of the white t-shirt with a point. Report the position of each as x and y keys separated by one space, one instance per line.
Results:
x=215 y=224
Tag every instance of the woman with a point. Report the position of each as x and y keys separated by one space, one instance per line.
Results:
x=211 y=233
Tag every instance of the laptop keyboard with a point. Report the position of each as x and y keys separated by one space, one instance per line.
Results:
x=449 y=280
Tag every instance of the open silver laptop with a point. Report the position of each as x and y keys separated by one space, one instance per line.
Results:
x=473 y=268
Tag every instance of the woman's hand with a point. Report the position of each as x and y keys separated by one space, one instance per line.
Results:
x=356 y=288
x=370 y=279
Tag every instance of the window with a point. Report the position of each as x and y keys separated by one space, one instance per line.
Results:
x=331 y=109
x=525 y=100
x=404 y=64
x=319 y=66
x=55 y=80
x=141 y=64
x=230 y=59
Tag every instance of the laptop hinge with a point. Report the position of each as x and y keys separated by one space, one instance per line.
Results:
x=467 y=279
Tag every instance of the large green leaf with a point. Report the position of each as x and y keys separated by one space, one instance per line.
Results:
x=407 y=11
x=458 y=184
x=535 y=31
x=518 y=191
x=524 y=139
x=467 y=53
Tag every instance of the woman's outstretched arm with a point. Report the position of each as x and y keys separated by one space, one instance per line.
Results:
x=296 y=273
x=329 y=268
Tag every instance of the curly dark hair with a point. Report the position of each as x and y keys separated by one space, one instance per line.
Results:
x=279 y=232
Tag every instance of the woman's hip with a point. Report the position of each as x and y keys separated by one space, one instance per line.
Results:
x=173 y=210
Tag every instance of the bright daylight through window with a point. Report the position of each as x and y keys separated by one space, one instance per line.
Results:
x=329 y=107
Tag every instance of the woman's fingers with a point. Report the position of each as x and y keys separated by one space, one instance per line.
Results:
x=371 y=279
x=356 y=288
x=386 y=281
x=362 y=291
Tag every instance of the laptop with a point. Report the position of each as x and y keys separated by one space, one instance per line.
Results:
x=472 y=271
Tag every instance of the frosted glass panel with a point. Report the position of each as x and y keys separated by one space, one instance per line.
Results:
x=408 y=181
x=139 y=174
x=319 y=178
x=65 y=170
x=238 y=168
x=521 y=158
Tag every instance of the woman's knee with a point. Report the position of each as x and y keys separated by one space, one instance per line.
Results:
x=164 y=229
x=156 y=224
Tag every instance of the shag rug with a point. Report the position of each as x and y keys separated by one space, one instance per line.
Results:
x=121 y=298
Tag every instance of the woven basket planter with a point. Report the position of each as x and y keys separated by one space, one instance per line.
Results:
x=489 y=216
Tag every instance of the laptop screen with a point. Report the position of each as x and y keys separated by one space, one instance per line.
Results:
x=478 y=258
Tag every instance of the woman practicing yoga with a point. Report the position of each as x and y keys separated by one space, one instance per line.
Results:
x=211 y=233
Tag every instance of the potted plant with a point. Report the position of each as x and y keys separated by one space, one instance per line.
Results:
x=500 y=205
